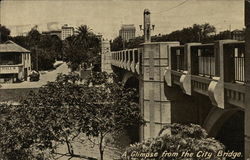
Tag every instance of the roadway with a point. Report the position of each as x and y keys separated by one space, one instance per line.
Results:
x=44 y=78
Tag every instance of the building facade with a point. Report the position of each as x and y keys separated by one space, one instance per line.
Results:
x=67 y=31
x=15 y=63
x=238 y=35
x=127 y=32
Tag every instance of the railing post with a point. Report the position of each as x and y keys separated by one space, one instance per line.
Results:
x=247 y=79
x=229 y=71
x=171 y=59
x=193 y=61
x=185 y=80
x=224 y=61
x=216 y=87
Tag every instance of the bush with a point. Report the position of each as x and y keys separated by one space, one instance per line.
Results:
x=174 y=140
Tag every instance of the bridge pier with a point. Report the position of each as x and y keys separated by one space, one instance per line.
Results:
x=105 y=56
x=156 y=108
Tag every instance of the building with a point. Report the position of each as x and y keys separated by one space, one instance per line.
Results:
x=238 y=35
x=57 y=33
x=15 y=63
x=67 y=31
x=127 y=32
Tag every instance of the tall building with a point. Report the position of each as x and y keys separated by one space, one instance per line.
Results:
x=127 y=32
x=67 y=31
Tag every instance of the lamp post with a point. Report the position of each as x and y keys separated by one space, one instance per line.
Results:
x=147 y=27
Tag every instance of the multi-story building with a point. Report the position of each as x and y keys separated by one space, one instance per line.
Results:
x=127 y=32
x=67 y=31
x=15 y=62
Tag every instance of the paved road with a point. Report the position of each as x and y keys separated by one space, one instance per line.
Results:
x=44 y=78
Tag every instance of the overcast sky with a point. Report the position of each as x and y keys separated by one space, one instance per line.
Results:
x=107 y=16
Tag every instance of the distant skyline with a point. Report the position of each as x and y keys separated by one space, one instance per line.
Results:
x=107 y=16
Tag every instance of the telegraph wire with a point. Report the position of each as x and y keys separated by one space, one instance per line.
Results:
x=172 y=7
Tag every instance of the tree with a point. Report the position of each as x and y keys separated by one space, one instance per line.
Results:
x=21 y=40
x=33 y=37
x=61 y=111
x=113 y=112
x=197 y=33
x=4 y=33
x=45 y=49
x=82 y=47
x=177 y=138
x=117 y=44
x=135 y=42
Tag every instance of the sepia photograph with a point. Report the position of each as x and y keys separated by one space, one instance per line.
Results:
x=124 y=80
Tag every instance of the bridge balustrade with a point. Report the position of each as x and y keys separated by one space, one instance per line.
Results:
x=129 y=59
x=127 y=67
x=138 y=60
x=123 y=59
x=132 y=60
x=126 y=60
x=119 y=59
x=178 y=58
x=214 y=70
x=203 y=58
x=235 y=59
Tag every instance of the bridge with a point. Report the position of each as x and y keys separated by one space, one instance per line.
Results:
x=206 y=84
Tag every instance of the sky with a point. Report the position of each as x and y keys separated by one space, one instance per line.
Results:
x=107 y=16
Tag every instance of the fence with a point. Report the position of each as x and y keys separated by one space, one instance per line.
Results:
x=206 y=60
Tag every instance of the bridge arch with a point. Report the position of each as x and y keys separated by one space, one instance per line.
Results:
x=226 y=125
x=130 y=80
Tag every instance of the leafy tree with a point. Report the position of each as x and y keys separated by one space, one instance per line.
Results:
x=57 y=47
x=33 y=37
x=4 y=33
x=135 y=42
x=117 y=44
x=61 y=111
x=177 y=138
x=44 y=48
x=21 y=40
x=81 y=48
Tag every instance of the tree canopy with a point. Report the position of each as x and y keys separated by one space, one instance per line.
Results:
x=60 y=111
x=117 y=44
x=4 y=33
x=196 y=33
x=174 y=140
x=82 y=48
x=45 y=49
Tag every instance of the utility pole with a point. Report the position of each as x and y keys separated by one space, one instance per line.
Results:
x=147 y=28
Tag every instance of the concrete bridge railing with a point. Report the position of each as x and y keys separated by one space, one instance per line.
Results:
x=215 y=69
x=184 y=83
x=129 y=59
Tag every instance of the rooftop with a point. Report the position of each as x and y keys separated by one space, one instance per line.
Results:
x=10 y=46
x=128 y=26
